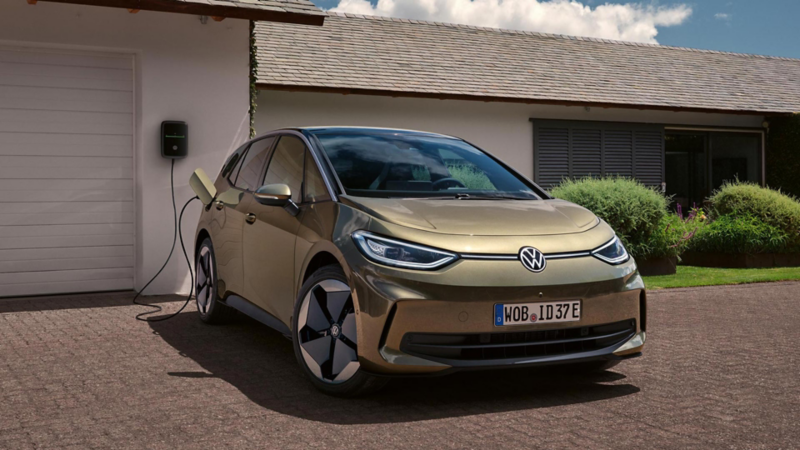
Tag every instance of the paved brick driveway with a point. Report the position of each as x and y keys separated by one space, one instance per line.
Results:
x=722 y=370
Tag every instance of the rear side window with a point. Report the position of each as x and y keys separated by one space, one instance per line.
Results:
x=231 y=167
x=251 y=171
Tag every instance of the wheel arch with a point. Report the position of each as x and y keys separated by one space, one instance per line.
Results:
x=202 y=234
x=320 y=256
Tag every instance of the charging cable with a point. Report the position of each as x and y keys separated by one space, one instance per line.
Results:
x=177 y=233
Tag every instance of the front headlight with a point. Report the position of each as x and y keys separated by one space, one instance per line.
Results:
x=400 y=254
x=613 y=252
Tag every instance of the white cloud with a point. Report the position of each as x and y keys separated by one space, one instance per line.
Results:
x=627 y=22
x=722 y=16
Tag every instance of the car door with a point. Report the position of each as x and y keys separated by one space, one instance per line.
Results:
x=270 y=232
x=240 y=174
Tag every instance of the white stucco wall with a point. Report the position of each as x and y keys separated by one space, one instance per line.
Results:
x=184 y=71
x=504 y=129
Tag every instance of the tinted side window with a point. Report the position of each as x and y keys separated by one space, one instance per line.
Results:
x=286 y=166
x=314 y=189
x=250 y=172
x=231 y=167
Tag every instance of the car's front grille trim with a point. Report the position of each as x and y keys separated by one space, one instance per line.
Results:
x=510 y=347
x=619 y=334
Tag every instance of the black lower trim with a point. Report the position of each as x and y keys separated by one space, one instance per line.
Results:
x=519 y=347
x=560 y=362
x=251 y=310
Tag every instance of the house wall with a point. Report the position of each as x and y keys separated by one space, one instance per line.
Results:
x=504 y=129
x=186 y=71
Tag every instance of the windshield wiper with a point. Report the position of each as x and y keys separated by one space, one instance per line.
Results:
x=465 y=196
x=494 y=197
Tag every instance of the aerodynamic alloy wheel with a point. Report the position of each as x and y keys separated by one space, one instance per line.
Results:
x=326 y=336
x=208 y=304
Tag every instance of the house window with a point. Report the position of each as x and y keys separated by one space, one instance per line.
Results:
x=698 y=162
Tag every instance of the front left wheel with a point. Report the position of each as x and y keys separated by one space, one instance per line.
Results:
x=208 y=303
x=326 y=337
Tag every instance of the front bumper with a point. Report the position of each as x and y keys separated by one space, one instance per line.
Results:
x=399 y=310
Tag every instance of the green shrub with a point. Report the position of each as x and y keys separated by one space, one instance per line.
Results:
x=740 y=234
x=750 y=203
x=637 y=213
x=673 y=234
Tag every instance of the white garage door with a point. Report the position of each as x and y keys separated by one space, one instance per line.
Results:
x=66 y=171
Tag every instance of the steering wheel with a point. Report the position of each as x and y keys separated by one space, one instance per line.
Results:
x=447 y=183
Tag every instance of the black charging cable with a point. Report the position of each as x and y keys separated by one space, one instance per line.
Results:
x=177 y=233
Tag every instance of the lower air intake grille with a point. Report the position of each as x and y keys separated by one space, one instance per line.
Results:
x=513 y=345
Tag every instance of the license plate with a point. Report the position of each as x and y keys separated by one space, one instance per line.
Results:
x=527 y=313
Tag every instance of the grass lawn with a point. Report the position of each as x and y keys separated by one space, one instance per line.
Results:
x=689 y=276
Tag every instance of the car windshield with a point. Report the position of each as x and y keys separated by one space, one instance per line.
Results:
x=418 y=165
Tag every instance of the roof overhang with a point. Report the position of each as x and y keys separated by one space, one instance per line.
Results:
x=218 y=9
x=481 y=98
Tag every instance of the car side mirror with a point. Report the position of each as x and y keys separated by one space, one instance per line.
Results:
x=273 y=195
x=203 y=186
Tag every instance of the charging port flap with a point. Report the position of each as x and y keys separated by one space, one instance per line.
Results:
x=203 y=187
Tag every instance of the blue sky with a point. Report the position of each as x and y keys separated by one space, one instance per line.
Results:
x=767 y=27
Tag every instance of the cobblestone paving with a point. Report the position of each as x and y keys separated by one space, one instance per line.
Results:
x=721 y=370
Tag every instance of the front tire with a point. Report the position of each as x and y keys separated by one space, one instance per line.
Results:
x=211 y=310
x=325 y=336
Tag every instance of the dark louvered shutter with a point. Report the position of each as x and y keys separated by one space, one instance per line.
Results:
x=552 y=156
x=577 y=149
x=586 y=156
x=649 y=157
x=619 y=152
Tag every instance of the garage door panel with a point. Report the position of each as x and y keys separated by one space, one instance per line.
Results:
x=83 y=162
x=66 y=230
x=65 y=82
x=63 y=275
x=65 y=218
x=65 y=58
x=59 y=141
x=59 y=185
x=64 y=207
x=66 y=95
x=20 y=196
x=14 y=97
x=31 y=254
x=66 y=171
x=22 y=243
x=69 y=173
x=48 y=265
x=19 y=290
x=62 y=71
x=68 y=122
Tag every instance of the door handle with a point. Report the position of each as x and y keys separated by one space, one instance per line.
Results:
x=250 y=218
x=219 y=205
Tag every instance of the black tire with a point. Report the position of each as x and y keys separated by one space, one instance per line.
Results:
x=211 y=310
x=332 y=372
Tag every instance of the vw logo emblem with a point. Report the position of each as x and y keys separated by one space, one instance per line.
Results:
x=532 y=259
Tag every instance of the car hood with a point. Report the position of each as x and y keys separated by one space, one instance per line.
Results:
x=479 y=217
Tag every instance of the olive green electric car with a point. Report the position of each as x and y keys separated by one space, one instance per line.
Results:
x=386 y=253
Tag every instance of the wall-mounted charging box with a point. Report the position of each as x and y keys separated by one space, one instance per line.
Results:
x=174 y=139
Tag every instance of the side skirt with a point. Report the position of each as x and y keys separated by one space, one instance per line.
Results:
x=251 y=310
